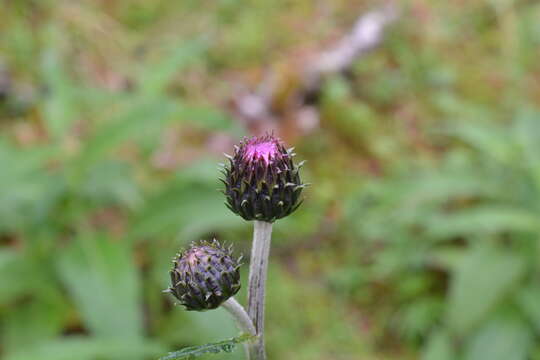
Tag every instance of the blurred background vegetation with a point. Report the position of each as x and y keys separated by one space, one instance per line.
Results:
x=419 y=238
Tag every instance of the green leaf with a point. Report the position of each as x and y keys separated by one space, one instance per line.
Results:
x=503 y=338
x=211 y=348
x=439 y=347
x=482 y=220
x=528 y=300
x=27 y=190
x=144 y=120
x=130 y=123
x=527 y=128
x=207 y=117
x=189 y=205
x=60 y=105
x=111 y=183
x=17 y=275
x=102 y=278
x=481 y=280
x=490 y=139
x=154 y=78
x=33 y=322
x=82 y=348
x=420 y=316
x=11 y=272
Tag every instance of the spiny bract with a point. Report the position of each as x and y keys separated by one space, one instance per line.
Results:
x=204 y=276
x=261 y=180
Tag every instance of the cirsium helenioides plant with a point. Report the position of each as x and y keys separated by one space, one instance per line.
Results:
x=262 y=183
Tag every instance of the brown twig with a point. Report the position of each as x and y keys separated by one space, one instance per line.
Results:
x=256 y=108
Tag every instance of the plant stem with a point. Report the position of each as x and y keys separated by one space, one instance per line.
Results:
x=240 y=316
x=243 y=322
x=262 y=232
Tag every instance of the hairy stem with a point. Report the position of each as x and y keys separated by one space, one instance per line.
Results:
x=243 y=322
x=240 y=316
x=262 y=232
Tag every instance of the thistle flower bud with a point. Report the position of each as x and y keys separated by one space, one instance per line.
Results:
x=204 y=276
x=261 y=180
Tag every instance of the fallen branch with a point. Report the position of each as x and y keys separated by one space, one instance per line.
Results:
x=256 y=108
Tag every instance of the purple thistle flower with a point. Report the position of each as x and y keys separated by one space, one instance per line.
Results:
x=261 y=180
x=204 y=276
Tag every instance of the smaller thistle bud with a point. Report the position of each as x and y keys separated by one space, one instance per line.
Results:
x=261 y=180
x=204 y=276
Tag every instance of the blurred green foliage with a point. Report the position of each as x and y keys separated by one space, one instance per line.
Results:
x=418 y=240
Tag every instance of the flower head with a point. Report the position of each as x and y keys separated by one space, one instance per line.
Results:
x=204 y=276
x=261 y=180
x=261 y=149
